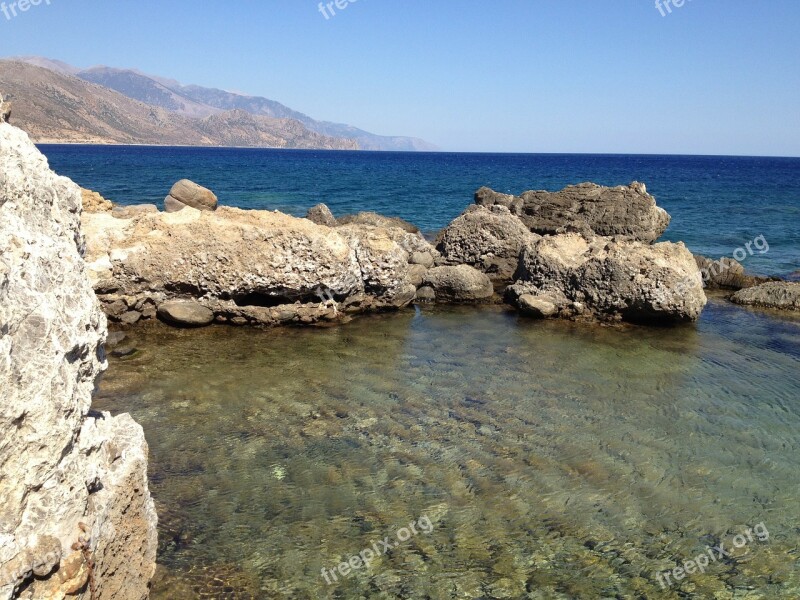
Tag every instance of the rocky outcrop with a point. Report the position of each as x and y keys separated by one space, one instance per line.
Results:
x=187 y=193
x=458 y=285
x=247 y=266
x=376 y=220
x=607 y=279
x=76 y=516
x=489 y=239
x=94 y=202
x=321 y=215
x=5 y=111
x=627 y=212
x=782 y=295
x=726 y=274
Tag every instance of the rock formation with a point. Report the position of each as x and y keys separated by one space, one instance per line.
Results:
x=783 y=295
x=489 y=239
x=76 y=516
x=376 y=220
x=726 y=274
x=627 y=212
x=94 y=202
x=247 y=266
x=321 y=215
x=608 y=279
x=460 y=284
x=187 y=193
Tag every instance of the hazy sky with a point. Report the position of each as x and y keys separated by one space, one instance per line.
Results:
x=711 y=77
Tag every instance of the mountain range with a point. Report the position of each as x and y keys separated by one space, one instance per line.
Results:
x=59 y=103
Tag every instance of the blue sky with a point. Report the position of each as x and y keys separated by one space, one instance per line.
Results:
x=712 y=77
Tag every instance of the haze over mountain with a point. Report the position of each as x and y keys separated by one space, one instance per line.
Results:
x=198 y=102
x=55 y=107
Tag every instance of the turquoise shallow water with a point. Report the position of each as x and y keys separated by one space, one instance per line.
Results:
x=552 y=460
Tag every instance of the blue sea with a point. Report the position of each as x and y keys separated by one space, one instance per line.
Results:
x=717 y=203
x=547 y=459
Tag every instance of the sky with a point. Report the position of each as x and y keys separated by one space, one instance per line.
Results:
x=585 y=76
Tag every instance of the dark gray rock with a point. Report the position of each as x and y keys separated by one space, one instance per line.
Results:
x=185 y=313
x=321 y=215
x=626 y=212
x=782 y=295
x=489 y=239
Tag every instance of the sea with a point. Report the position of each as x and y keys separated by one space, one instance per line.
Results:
x=466 y=452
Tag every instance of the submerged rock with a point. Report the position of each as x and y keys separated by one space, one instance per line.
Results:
x=74 y=499
x=627 y=212
x=185 y=313
x=489 y=239
x=726 y=274
x=321 y=215
x=459 y=284
x=187 y=193
x=783 y=295
x=611 y=280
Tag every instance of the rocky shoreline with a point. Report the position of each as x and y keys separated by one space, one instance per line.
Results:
x=587 y=252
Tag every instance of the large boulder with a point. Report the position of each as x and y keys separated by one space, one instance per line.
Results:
x=627 y=212
x=459 y=284
x=611 y=280
x=247 y=266
x=187 y=193
x=185 y=313
x=94 y=202
x=489 y=239
x=783 y=295
x=74 y=499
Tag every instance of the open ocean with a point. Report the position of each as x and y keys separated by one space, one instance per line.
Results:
x=551 y=460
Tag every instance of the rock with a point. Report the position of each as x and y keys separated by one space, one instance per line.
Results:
x=426 y=295
x=459 y=284
x=65 y=472
x=5 y=112
x=783 y=295
x=185 y=313
x=489 y=239
x=726 y=274
x=189 y=193
x=488 y=197
x=94 y=202
x=376 y=220
x=321 y=215
x=536 y=306
x=115 y=338
x=129 y=212
x=130 y=317
x=124 y=352
x=249 y=266
x=424 y=259
x=627 y=212
x=172 y=205
x=612 y=280
x=416 y=273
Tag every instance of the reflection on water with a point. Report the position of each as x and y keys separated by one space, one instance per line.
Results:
x=554 y=460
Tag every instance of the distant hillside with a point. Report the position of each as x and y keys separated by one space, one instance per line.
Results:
x=53 y=106
x=196 y=101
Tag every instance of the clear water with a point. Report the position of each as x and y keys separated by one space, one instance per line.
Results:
x=552 y=460
x=718 y=204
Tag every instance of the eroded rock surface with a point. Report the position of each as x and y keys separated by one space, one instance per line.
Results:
x=76 y=515
x=247 y=266
x=609 y=279
x=627 y=212
x=94 y=202
x=782 y=295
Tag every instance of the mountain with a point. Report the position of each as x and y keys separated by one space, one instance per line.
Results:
x=56 y=107
x=196 y=101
